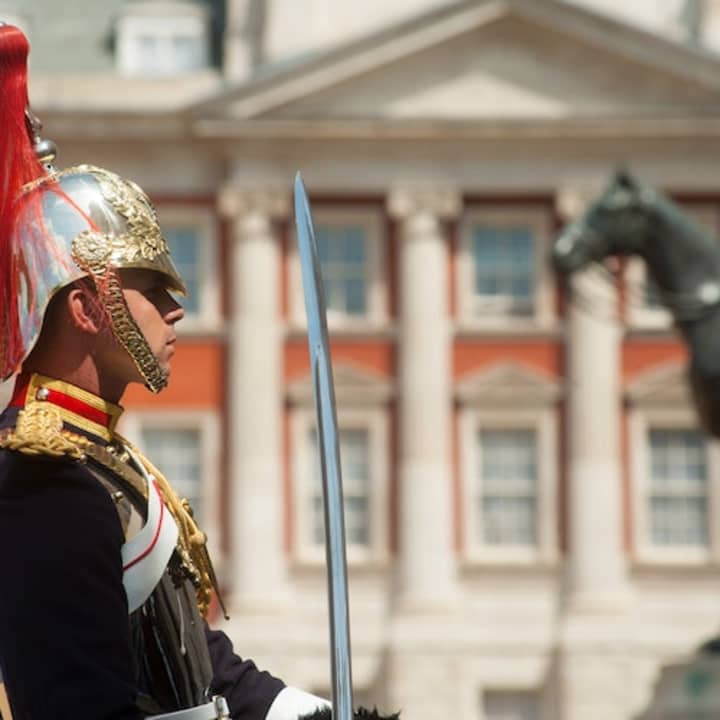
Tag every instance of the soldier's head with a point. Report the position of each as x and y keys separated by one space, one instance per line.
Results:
x=84 y=236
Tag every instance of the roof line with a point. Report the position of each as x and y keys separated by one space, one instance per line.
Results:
x=321 y=71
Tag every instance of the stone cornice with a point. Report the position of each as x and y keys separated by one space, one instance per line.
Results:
x=353 y=385
x=663 y=386
x=272 y=202
x=508 y=384
x=404 y=202
x=677 y=125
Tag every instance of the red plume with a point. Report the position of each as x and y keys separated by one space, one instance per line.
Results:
x=18 y=166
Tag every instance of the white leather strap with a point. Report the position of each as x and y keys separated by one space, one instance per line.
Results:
x=215 y=710
x=291 y=703
x=145 y=556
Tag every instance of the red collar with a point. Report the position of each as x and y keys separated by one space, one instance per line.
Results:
x=77 y=407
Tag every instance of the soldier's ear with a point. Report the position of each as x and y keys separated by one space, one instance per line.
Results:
x=84 y=309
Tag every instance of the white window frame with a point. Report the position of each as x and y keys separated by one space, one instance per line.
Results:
x=641 y=420
x=375 y=420
x=543 y=313
x=641 y=316
x=376 y=316
x=208 y=317
x=544 y=422
x=163 y=21
x=207 y=423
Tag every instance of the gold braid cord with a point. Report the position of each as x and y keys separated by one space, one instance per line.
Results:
x=192 y=542
x=128 y=333
x=39 y=431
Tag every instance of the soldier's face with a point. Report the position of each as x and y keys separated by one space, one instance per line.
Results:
x=154 y=310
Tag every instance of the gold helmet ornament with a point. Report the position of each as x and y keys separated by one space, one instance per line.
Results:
x=58 y=226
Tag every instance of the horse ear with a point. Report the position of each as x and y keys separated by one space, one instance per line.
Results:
x=624 y=179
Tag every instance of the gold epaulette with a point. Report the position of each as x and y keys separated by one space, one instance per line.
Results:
x=39 y=431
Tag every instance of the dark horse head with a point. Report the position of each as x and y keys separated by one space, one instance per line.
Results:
x=614 y=224
x=682 y=259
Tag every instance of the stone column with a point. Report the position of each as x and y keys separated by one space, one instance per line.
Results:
x=595 y=630
x=255 y=398
x=427 y=564
x=597 y=563
x=597 y=573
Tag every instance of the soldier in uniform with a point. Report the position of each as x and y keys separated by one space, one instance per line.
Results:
x=106 y=578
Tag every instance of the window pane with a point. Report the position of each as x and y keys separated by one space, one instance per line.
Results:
x=187 y=53
x=178 y=454
x=153 y=49
x=343 y=253
x=355 y=461
x=678 y=488
x=147 y=46
x=507 y=481
x=184 y=243
x=504 y=261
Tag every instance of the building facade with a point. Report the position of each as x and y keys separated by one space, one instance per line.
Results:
x=532 y=513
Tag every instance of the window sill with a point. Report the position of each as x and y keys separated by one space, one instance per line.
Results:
x=315 y=563
x=481 y=570
x=492 y=560
x=662 y=320
x=693 y=560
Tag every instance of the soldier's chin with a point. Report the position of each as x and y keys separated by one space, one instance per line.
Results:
x=165 y=371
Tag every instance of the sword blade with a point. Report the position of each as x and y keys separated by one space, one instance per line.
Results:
x=329 y=456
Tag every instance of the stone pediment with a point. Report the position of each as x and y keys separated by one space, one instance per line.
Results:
x=508 y=384
x=353 y=385
x=486 y=60
x=663 y=386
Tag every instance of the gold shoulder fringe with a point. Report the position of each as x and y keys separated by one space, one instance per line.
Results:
x=39 y=431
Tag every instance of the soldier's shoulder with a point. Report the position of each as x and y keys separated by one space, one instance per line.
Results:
x=35 y=453
x=37 y=431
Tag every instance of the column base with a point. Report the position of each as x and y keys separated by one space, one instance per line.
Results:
x=595 y=663
x=612 y=601
x=259 y=604
x=413 y=603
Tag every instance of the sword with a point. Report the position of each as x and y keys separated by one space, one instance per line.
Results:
x=329 y=456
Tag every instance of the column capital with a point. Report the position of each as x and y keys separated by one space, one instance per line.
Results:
x=598 y=291
x=272 y=201
x=404 y=202
x=573 y=197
